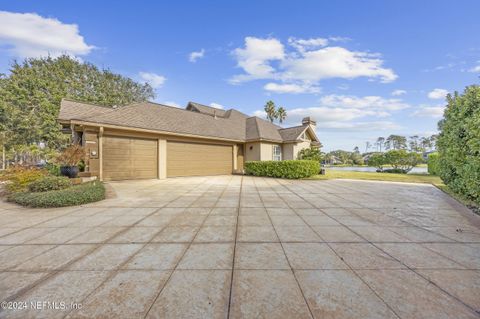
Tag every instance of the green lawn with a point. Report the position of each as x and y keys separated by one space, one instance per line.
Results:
x=407 y=178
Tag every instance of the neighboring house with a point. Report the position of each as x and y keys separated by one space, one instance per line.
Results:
x=149 y=140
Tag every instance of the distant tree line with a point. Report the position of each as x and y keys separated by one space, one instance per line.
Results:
x=413 y=143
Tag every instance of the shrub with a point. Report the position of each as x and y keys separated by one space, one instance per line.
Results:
x=53 y=169
x=311 y=154
x=74 y=195
x=458 y=143
x=49 y=183
x=72 y=155
x=377 y=160
x=433 y=164
x=403 y=160
x=292 y=169
x=19 y=177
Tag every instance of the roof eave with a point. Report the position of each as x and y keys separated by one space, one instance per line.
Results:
x=138 y=129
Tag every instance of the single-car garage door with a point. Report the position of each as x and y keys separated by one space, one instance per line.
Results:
x=129 y=158
x=191 y=159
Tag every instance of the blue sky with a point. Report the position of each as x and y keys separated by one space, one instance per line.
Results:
x=362 y=69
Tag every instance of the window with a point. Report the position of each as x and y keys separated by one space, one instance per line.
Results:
x=277 y=153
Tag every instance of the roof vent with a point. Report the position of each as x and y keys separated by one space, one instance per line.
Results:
x=309 y=121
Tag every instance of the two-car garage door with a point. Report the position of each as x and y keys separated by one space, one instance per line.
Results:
x=135 y=158
x=192 y=159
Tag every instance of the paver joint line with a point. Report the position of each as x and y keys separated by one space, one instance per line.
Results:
x=234 y=241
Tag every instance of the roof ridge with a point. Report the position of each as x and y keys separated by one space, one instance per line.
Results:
x=287 y=128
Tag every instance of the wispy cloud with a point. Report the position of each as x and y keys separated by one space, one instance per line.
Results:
x=437 y=94
x=399 y=92
x=196 y=55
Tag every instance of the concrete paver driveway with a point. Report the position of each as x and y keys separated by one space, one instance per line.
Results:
x=244 y=247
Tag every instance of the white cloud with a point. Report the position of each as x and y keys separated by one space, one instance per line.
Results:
x=475 y=69
x=171 y=103
x=335 y=62
x=430 y=111
x=309 y=62
x=399 y=92
x=255 y=57
x=155 y=80
x=365 y=102
x=291 y=88
x=217 y=106
x=437 y=94
x=195 y=55
x=307 y=44
x=337 y=112
x=30 y=35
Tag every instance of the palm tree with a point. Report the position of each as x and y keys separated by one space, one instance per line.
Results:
x=270 y=111
x=281 y=114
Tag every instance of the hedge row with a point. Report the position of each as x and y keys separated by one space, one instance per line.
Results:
x=292 y=169
x=75 y=195
x=433 y=164
x=458 y=143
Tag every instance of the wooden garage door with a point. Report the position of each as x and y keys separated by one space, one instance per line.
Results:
x=190 y=159
x=129 y=158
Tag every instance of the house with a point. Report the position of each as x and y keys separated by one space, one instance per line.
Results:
x=149 y=140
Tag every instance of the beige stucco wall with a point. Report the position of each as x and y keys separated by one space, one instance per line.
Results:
x=260 y=151
x=252 y=151
x=266 y=151
x=288 y=151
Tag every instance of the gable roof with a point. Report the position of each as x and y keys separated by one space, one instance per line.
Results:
x=196 y=119
x=292 y=133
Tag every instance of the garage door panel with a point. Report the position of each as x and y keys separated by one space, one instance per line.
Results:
x=189 y=159
x=129 y=158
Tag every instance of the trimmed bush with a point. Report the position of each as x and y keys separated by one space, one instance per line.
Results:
x=74 y=195
x=458 y=143
x=49 y=183
x=433 y=164
x=292 y=169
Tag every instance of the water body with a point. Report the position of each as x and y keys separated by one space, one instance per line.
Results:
x=415 y=170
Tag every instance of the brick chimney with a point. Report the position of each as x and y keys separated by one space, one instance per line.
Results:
x=309 y=121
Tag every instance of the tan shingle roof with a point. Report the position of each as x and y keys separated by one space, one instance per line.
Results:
x=231 y=124
x=258 y=128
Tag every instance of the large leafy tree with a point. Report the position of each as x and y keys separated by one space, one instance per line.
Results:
x=458 y=143
x=30 y=96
